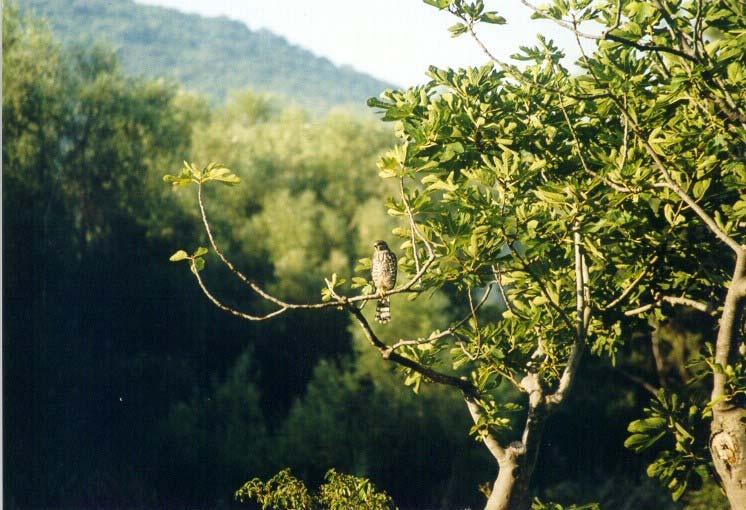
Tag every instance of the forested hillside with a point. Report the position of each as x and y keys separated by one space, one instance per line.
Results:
x=209 y=55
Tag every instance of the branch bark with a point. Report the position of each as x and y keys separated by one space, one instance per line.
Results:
x=583 y=316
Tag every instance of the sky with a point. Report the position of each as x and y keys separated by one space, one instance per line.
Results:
x=393 y=40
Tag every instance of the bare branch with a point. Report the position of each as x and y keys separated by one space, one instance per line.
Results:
x=706 y=218
x=499 y=280
x=618 y=187
x=628 y=290
x=227 y=308
x=701 y=306
x=690 y=303
x=727 y=344
x=513 y=71
x=309 y=306
x=639 y=381
x=639 y=310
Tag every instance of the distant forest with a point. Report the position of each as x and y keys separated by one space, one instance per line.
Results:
x=209 y=55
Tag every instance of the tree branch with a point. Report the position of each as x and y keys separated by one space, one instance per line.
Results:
x=513 y=71
x=411 y=225
x=582 y=309
x=727 y=344
x=386 y=353
x=639 y=381
x=671 y=184
x=618 y=187
x=309 y=306
x=490 y=441
x=451 y=329
x=227 y=308
x=628 y=290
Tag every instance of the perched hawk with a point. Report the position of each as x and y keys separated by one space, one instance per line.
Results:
x=383 y=271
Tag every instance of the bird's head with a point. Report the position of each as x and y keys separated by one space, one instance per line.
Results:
x=381 y=245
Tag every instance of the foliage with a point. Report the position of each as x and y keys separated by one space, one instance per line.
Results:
x=341 y=491
x=668 y=416
x=158 y=42
x=539 y=505
x=669 y=179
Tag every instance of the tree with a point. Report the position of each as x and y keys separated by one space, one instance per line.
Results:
x=583 y=201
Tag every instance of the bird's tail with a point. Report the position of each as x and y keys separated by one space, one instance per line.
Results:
x=383 y=310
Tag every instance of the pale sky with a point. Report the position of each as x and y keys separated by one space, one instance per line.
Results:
x=394 y=40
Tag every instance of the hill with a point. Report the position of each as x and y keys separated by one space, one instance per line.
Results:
x=209 y=55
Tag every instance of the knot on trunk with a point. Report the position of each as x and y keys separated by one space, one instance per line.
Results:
x=727 y=449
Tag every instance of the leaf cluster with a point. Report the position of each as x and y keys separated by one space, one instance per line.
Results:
x=341 y=491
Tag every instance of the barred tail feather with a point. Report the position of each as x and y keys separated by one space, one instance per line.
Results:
x=383 y=310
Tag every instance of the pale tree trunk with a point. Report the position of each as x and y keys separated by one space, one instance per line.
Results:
x=728 y=430
x=510 y=490
x=516 y=461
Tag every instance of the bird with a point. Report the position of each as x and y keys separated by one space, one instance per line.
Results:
x=383 y=271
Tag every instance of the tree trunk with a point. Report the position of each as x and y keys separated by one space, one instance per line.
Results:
x=510 y=490
x=728 y=448
x=728 y=430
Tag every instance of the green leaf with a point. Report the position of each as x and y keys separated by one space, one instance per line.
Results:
x=493 y=18
x=440 y=4
x=679 y=491
x=457 y=29
x=701 y=187
x=216 y=172
x=358 y=282
x=198 y=264
x=200 y=251
x=178 y=180
x=646 y=425
x=179 y=255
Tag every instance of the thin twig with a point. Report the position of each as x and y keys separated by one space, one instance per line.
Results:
x=618 y=187
x=513 y=71
x=640 y=381
x=628 y=290
x=227 y=308
x=411 y=225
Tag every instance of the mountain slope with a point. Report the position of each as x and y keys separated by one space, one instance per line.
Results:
x=208 y=55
